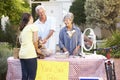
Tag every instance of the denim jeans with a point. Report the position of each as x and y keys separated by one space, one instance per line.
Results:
x=29 y=68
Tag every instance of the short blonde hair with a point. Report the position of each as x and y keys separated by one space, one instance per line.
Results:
x=69 y=16
x=39 y=7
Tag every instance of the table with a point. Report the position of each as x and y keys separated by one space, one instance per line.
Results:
x=89 y=66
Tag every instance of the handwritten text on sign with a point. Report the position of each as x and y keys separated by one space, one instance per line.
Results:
x=52 y=70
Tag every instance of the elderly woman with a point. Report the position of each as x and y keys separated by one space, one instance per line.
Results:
x=70 y=36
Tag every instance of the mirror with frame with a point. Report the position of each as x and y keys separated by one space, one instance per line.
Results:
x=88 y=41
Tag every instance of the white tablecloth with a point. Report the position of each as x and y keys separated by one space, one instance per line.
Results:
x=89 y=66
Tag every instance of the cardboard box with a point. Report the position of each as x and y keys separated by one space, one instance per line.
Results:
x=16 y=53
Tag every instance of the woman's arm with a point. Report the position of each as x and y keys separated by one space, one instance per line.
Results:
x=35 y=42
x=61 y=41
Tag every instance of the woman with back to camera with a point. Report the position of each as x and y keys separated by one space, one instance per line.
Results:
x=29 y=47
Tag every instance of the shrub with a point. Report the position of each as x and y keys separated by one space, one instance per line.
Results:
x=77 y=8
x=9 y=35
x=5 y=52
x=114 y=40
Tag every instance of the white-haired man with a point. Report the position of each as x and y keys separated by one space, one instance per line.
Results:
x=46 y=26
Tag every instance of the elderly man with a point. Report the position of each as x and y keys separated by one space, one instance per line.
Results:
x=70 y=36
x=46 y=26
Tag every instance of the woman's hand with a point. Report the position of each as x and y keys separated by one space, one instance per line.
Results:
x=75 y=52
x=38 y=51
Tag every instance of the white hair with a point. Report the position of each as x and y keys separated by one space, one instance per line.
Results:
x=39 y=7
x=69 y=16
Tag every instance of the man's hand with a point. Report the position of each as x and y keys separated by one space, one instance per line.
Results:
x=43 y=41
